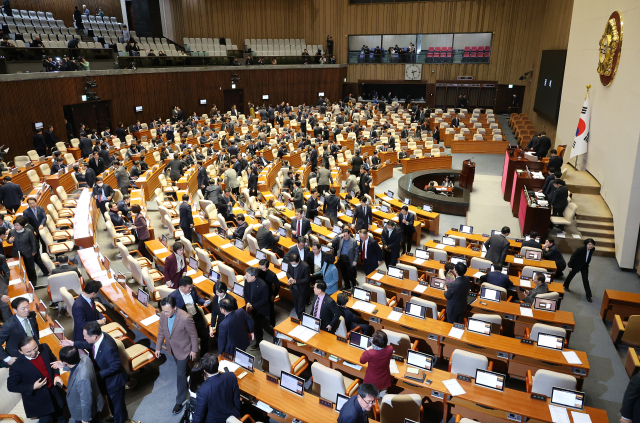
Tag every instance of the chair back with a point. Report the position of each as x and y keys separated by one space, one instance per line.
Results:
x=466 y=363
x=227 y=273
x=47 y=262
x=378 y=292
x=327 y=383
x=253 y=244
x=45 y=169
x=8 y=400
x=570 y=211
x=188 y=247
x=480 y=263
x=631 y=335
x=436 y=254
x=275 y=359
x=493 y=319
x=124 y=355
x=273 y=258
x=135 y=268
x=462 y=241
x=538 y=328
x=524 y=250
x=400 y=342
x=410 y=271
x=33 y=155
x=204 y=262
x=69 y=280
x=530 y=271
x=67 y=298
x=61 y=147
x=397 y=408
x=545 y=380
x=62 y=194
x=430 y=305
x=550 y=296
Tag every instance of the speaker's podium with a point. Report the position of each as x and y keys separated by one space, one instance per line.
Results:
x=467 y=174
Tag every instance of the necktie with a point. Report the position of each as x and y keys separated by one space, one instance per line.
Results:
x=93 y=304
x=364 y=250
x=93 y=350
x=299 y=227
x=27 y=327
x=315 y=308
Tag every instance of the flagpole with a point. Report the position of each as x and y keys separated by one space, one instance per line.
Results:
x=585 y=98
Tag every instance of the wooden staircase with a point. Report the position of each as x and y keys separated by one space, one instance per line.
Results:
x=601 y=230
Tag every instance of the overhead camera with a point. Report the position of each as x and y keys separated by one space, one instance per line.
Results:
x=234 y=78
x=90 y=83
x=523 y=77
x=91 y=95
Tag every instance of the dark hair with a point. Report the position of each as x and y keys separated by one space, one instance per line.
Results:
x=589 y=241
x=264 y=262
x=62 y=258
x=321 y=285
x=368 y=390
x=379 y=339
x=240 y=216
x=449 y=266
x=185 y=281
x=461 y=269
x=225 y=305
x=301 y=239
x=559 y=182
x=497 y=267
x=32 y=198
x=91 y=286
x=220 y=287
x=21 y=220
x=24 y=341
x=209 y=363
x=533 y=234
x=135 y=208
x=551 y=240
x=553 y=151
x=253 y=271
x=294 y=258
x=17 y=301
x=405 y=207
x=170 y=301
x=93 y=328
x=505 y=230
x=540 y=277
x=342 y=299
x=185 y=197
x=557 y=174
x=177 y=246
x=69 y=355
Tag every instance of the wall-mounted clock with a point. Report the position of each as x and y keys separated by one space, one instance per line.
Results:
x=412 y=72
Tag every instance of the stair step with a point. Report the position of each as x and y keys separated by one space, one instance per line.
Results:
x=605 y=251
x=580 y=223
x=594 y=218
x=593 y=232
x=604 y=242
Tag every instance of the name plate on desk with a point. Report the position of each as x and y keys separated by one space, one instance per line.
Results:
x=326 y=403
x=458 y=325
x=526 y=341
x=398 y=309
x=455 y=229
x=509 y=317
x=341 y=339
x=519 y=240
x=443 y=262
x=433 y=337
x=376 y=283
x=539 y=397
x=397 y=358
x=436 y=394
x=514 y=417
x=486 y=236
x=518 y=256
x=227 y=356
x=525 y=305
x=475 y=249
x=409 y=254
x=423 y=283
x=464 y=378
x=504 y=355
x=580 y=372
x=296 y=321
x=405 y=292
x=273 y=379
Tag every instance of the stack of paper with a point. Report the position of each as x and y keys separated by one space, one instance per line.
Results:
x=45 y=332
x=264 y=407
x=377 y=276
x=580 y=417
x=420 y=288
x=440 y=246
x=225 y=246
x=525 y=283
x=149 y=320
x=558 y=414
x=302 y=333
x=527 y=312
x=478 y=275
x=572 y=357
x=393 y=366
x=191 y=272
x=281 y=275
x=199 y=279
x=253 y=262
x=160 y=251
x=518 y=260
x=456 y=333
x=366 y=307
x=418 y=261
x=232 y=367
x=453 y=387
x=353 y=366
x=394 y=315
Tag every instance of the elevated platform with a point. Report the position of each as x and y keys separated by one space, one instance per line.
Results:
x=580 y=181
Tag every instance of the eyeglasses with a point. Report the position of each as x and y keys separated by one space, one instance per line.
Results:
x=369 y=402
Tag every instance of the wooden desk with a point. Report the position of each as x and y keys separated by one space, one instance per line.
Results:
x=65 y=181
x=430 y=220
x=480 y=238
x=510 y=166
x=381 y=174
x=426 y=163
x=485 y=146
x=85 y=220
x=520 y=180
x=294 y=158
x=533 y=218
x=622 y=303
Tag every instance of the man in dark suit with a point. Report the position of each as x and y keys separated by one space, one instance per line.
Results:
x=22 y=323
x=273 y=284
x=187 y=299
x=630 y=410
x=39 y=144
x=5 y=310
x=302 y=250
x=186 y=217
x=391 y=238
x=552 y=252
x=232 y=332
x=10 y=194
x=559 y=200
x=203 y=177
x=313 y=158
x=37 y=218
x=497 y=278
x=365 y=182
x=39 y=384
x=238 y=233
x=86 y=146
x=331 y=206
x=120 y=132
x=266 y=238
x=300 y=226
x=97 y=163
x=103 y=193
x=356 y=408
x=497 y=246
x=455 y=122
x=325 y=308
x=299 y=275
x=532 y=242
x=257 y=297
x=84 y=308
x=406 y=223
x=112 y=376
x=363 y=215
x=50 y=138
x=176 y=165
x=369 y=252
x=346 y=249
x=555 y=161
x=220 y=289
x=218 y=396
x=313 y=204
x=579 y=262
x=456 y=294
x=356 y=163
x=544 y=144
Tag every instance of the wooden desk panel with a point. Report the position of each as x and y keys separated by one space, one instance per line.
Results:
x=381 y=174
x=426 y=163
x=521 y=180
x=622 y=303
x=294 y=158
x=430 y=220
x=479 y=147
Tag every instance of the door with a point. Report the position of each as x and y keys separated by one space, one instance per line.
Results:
x=94 y=115
x=234 y=97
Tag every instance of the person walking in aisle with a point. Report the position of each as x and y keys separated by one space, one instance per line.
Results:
x=579 y=262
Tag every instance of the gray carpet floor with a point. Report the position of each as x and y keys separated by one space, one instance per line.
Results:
x=152 y=399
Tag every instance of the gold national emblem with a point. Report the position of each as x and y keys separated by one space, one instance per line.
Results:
x=610 y=47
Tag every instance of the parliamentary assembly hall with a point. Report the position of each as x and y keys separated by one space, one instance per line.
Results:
x=319 y=211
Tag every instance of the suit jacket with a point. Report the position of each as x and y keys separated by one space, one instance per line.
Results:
x=22 y=376
x=105 y=189
x=203 y=178
x=351 y=412
x=408 y=228
x=532 y=243
x=555 y=255
x=10 y=194
x=171 y=272
x=257 y=293
x=38 y=143
x=180 y=301
x=176 y=166
x=297 y=197
x=497 y=247
x=329 y=312
x=50 y=138
x=365 y=183
x=218 y=398
x=560 y=198
x=301 y=274
x=308 y=255
x=82 y=313
x=98 y=167
x=305 y=226
x=374 y=255
x=122 y=177
x=36 y=217
x=86 y=147
x=337 y=243
x=499 y=279
x=12 y=332
x=83 y=394
x=214 y=307
x=186 y=218
x=183 y=338
x=121 y=133
x=392 y=240
x=232 y=332
x=356 y=163
x=555 y=162
x=240 y=230
x=378 y=367
x=579 y=259
x=631 y=401
x=456 y=296
x=265 y=238
x=543 y=147
x=111 y=374
x=362 y=217
x=312 y=207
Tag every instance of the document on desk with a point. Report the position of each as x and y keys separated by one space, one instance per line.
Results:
x=393 y=366
x=160 y=251
x=558 y=414
x=366 y=307
x=191 y=272
x=456 y=333
x=199 y=279
x=302 y=333
x=232 y=367
x=580 y=417
x=281 y=275
x=420 y=288
x=527 y=312
x=518 y=260
x=253 y=262
x=526 y=283
x=561 y=235
x=394 y=315
x=264 y=407
x=28 y=297
x=418 y=261
x=331 y=235
x=578 y=237
x=378 y=230
x=15 y=281
x=340 y=214
x=387 y=199
x=225 y=246
x=478 y=275
x=377 y=276
x=572 y=357
x=440 y=246
x=453 y=387
x=45 y=332
x=13 y=263
x=149 y=320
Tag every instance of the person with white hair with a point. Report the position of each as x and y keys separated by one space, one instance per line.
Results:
x=266 y=238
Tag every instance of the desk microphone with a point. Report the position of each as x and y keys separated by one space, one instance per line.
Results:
x=471 y=159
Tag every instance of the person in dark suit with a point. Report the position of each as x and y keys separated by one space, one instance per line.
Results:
x=365 y=182
x=436 y=135
x=203 y=177
x=531 y=242
x=10 y=194
x=102 y=193
x=220 y=289
x=266 y=238
x=534 y=143
x=232 y=332
x=186 y=217
x=238 y=233
x=97 y=163
x=176 y=166
x=39 y=144
x=456 y=294
x=346 y=249
x=83 y=394
x=112 y=376
x=313 y=158
x=257 y=297
x=218 y=397
x=115 y=215
x=559 y=200
x=300 y=226
x=324 y=308
x=50 y=138
x=356 y=408
x=579 y=262
x=297 y=195
x=555 y=161
x=363 y=215
x=356 y=163
x=351 y=319
x=548 y=188
x=630 y=409
x=552 y=252
x=86 y=147
x=273 y=284
x=543 y=145
x=497 y=278
x=187 y=299
x=302 y=250
x=37 y=218
x=455 y=122
x=497 y=246
x=175 y=266
x=299 y=275
x=369 y=252
x=391 y=237
x=39 y=384
x=406 y=223
x=5 y=310
x=313 y=204
x=22 y=323
x=121 y=133
x=84 y=309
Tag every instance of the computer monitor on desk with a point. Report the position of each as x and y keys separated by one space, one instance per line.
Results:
x=415 y=310
x=341 y=400
x=143 y=298
x=422 y=254
x=458 y=259
x=533 y=255
x=384 y=209
x=395 y=272
x=390 y=194
x=490 y=294
x=292 y=383
x=359 y=340
x=260 y=255
x=193 y=263
x=244 y=360
x=308 y=321
x=420 y=360
x=239 y=244
x=545 y=304
x=479 y=326
x=490 y=380
x=437 y=283
x=552 y=342
x=362 y=294
x=282 y=232
x=567 y=398
x=466 y=229
x=57 y=330
x=447 y=240
x=214 y=276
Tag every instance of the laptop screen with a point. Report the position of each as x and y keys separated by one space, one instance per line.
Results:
x=340 y=401
x=310 y=322
x=553 y=342
x=495 y=232
x=548 y=277
x=395 y=272
x=221 y=233
x=384 y=209
x=239 y=244
x=422 y=254
x=143 y=297
x=416 y=310
x=260 y=255
x=451 y=242
x=545 y=304
x=479 y=326
x=407 y=201
x=58 y=330
x=214 y=276
x=427 y=208
x=243 y=359
x=533 y=255
x=490 y=380
x=420 y=360
x=438 y=283
x=390 y=194
x=336 y=229
x=282 y=232
x=292 y=383
x=466 y=229
x=349 y=213
x=163 y=240
x=359 y=340
x=567 y=398
x=317 y=221
x=193 y=263
x=490 y=294
x=284 y=266
x=362 y=294
x=238 y=289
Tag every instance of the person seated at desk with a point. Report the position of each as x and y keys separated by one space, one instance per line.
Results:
x=497 y=278
x=403 y=154
x=377 y=356
x=218 y=397
x=116 y=215
x=448 y=183
x=532 y=242
x=356 y=408
x=432 y=187
x=266 y=238
x=241 y=228
x=124 y=206
x=540 y=288
x=351 y=319
x=552 y=252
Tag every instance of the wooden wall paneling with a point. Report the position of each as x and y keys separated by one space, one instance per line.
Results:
x=63 y=9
